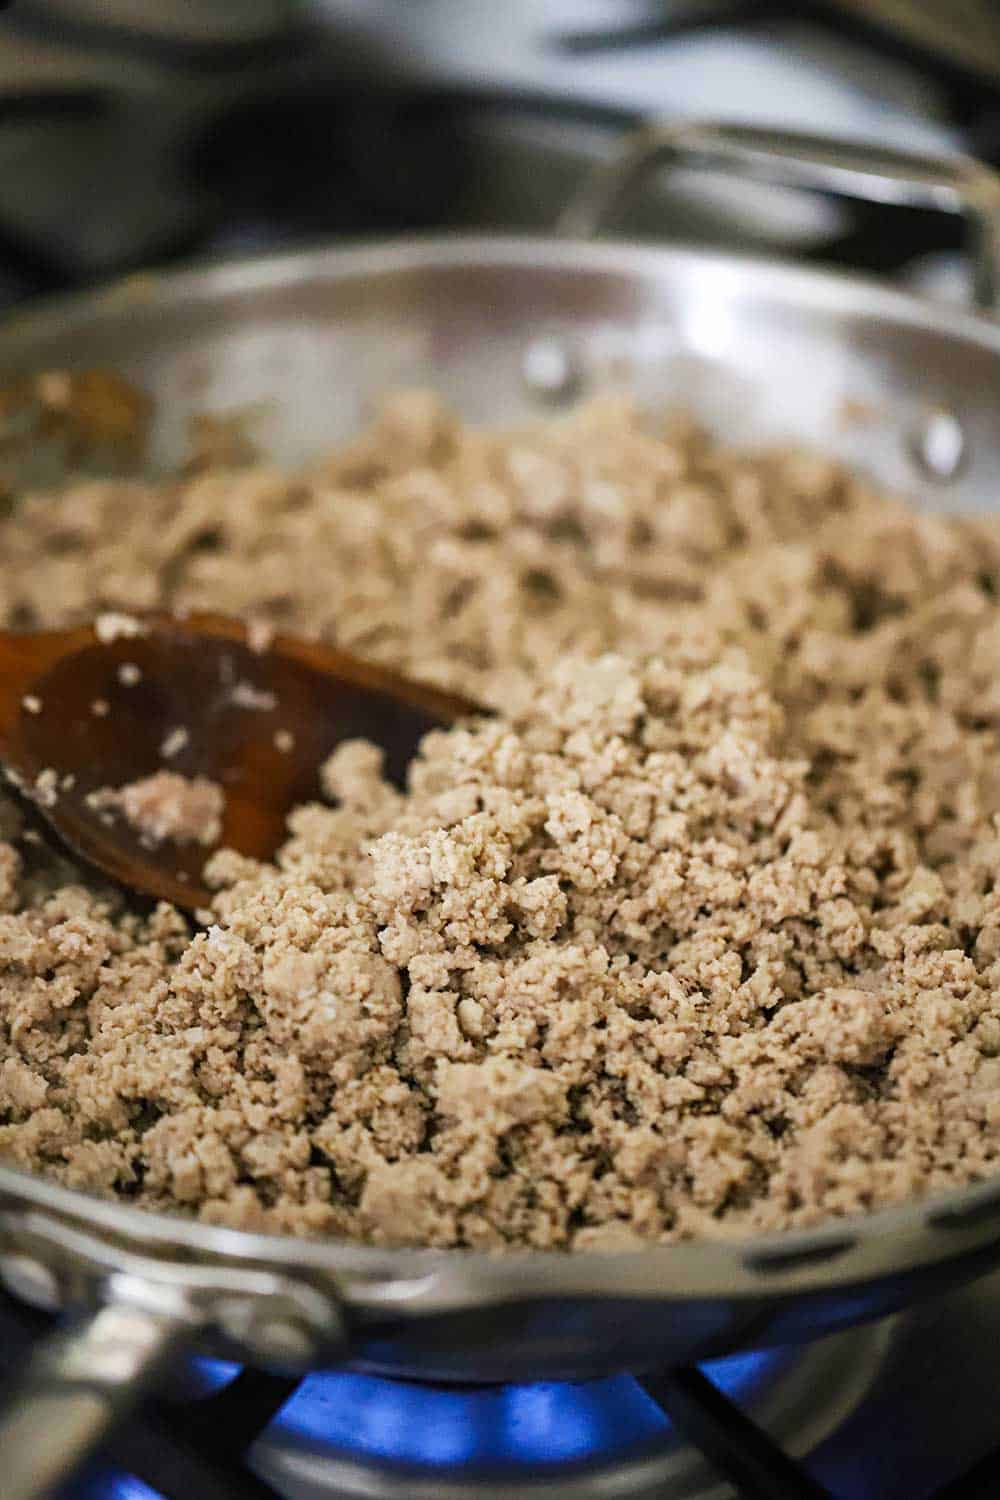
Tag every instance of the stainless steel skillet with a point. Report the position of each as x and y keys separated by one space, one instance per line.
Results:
x=904 y=388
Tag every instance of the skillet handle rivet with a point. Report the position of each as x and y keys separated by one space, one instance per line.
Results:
x=269 y=1332
x=30 y=1281
x=551 y=371
x=282 y=1341
x=938 y=445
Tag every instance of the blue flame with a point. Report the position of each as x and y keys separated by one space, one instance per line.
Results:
x=486 y=1427
x=110 y=1486
x=490 y=1426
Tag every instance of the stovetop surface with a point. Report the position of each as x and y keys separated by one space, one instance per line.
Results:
x=387 y=116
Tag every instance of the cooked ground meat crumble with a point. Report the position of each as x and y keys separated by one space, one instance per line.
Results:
x=167 y=806
x=700 y=936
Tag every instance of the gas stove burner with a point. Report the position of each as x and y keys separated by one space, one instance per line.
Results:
x=353 y=1436
x=359 y=1436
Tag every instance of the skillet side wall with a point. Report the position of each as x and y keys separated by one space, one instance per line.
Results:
x=759 y=352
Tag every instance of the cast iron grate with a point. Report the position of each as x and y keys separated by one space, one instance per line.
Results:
x=201 y=1453
x=197 y=1448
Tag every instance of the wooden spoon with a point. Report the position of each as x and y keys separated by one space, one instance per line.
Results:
x=98 y=705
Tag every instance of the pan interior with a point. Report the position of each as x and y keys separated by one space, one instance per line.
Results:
x=301 y=346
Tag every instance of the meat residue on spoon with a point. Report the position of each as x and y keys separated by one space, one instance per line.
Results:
x=167 y=806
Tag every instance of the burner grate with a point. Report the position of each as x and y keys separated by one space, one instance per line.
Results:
x=733 y=1444
x=625 y=1432
x=164 y=1455
x=981 y=1482
x=251 y=1436
x=195 y=1452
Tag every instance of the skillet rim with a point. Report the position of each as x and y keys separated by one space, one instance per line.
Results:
x=841 y=1251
